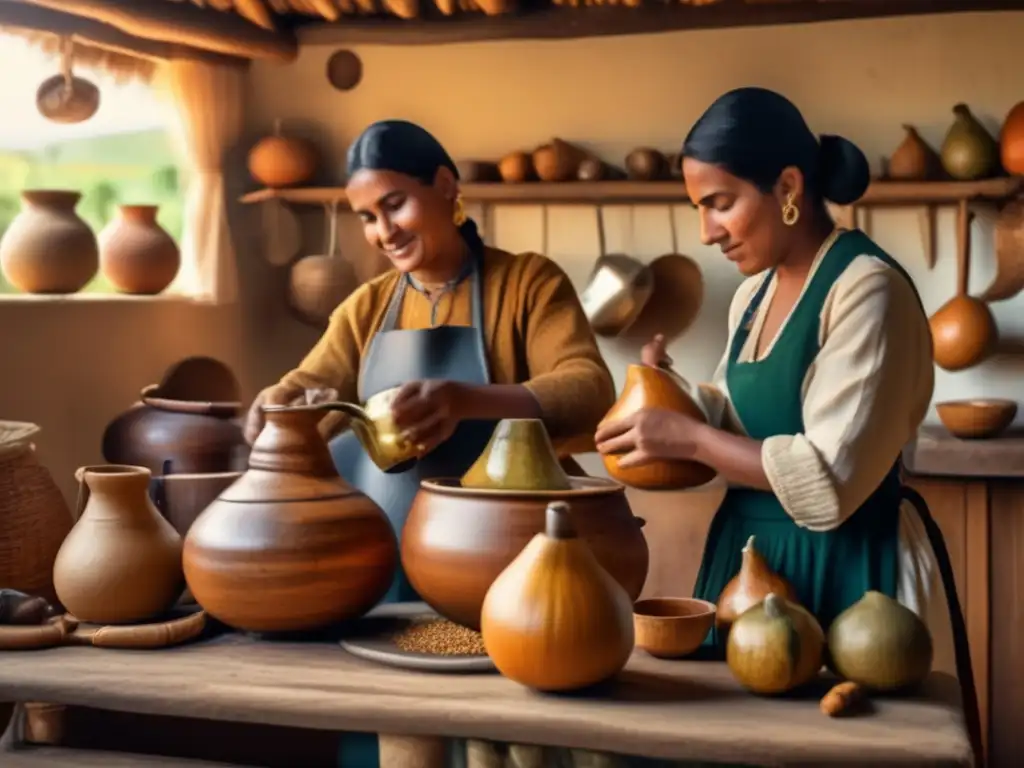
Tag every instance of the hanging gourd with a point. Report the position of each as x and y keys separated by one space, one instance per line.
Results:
x=554 y=620
x=65 y=98
x=750 y=586
x=775 y=646
x=880 y=644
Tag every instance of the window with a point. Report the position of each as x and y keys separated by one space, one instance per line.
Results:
x=123 y=154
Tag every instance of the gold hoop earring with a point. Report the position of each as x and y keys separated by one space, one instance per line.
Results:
x=790 y=213
x=459 y=212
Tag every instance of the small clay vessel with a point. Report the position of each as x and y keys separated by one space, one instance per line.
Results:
x=646 y=164
x=558 y=161
x=137 y=255
x=517 y=167
x=750 y=586
x=121 y=562
x=290 y=546
x=518 y=457
x=648 y=387
x=880 y=644
x=554 y=620
x=969 y=152
x=282 y=161
x=913 y=159
x=48 y=248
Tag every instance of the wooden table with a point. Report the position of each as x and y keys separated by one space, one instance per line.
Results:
x=672 y=710
x=975 y=490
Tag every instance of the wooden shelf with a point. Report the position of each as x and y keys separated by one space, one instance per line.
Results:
x=669 y=192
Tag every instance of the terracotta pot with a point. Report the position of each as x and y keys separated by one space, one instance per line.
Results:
x=290 y=546
x=648 y=387
x=1011 y=140
x=34 y=517
x=457 y=540
x=48 y=248
x=282 y=161
x=157 y=430
x=136 y=255
x=121 y=563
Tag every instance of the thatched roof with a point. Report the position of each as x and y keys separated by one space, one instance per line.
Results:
x=127 y=36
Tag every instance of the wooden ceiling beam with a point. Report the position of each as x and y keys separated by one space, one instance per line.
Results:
x=182 y=24
x=564 y=22
x=18 y=15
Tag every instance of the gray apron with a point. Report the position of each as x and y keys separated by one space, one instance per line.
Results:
x=395 y=357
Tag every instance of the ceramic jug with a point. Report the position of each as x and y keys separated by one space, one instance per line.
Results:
x=121 y=562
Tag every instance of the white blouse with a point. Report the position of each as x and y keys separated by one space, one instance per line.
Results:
x=864 y=397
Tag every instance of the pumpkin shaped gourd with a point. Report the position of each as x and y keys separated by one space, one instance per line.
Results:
x=880 y=644
x=775 y=646
x=554 y=620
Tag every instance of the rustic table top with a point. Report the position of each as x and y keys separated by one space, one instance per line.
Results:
x=667 y=709
x=936 y=452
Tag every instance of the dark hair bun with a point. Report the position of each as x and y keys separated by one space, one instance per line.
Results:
x=843 y=171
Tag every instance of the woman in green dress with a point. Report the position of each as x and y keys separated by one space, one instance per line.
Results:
x=827 y=374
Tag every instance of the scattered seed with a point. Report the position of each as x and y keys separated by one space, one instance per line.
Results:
x=440 y=637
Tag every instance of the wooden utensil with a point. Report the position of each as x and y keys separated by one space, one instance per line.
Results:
x=963 y=330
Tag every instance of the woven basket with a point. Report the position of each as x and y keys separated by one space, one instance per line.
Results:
x=34 y=518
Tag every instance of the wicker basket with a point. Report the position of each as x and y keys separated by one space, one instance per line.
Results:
x=34 y=518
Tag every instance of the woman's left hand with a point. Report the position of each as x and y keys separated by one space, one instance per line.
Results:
x=650 y=434
x=428 y=411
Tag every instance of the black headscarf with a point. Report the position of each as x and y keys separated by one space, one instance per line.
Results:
x=406 y=148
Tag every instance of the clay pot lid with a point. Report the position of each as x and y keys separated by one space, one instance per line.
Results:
x=153 y=397
x=259 y=486
x=581 y=486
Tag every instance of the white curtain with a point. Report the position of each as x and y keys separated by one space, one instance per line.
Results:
x=208 y=104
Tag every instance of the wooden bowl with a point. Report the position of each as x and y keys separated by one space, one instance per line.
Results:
x=457 y=540
x=976 y=419
x=670 y=627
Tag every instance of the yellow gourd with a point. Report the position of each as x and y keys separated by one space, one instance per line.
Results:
x=775 y=646
x=554 y=620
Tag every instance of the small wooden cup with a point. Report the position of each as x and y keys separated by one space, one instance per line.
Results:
x=671 y=627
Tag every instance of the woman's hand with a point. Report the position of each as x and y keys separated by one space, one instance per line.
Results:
x=281 y=394
x=653 y=354
x=650 y=434
x=428 y=411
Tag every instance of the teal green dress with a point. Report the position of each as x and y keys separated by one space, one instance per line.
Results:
x=830 y=570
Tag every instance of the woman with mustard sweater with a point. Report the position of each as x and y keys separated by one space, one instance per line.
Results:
x=470 y=334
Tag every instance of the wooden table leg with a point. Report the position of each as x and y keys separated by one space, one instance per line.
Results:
x=412 y=751
x=44 y=723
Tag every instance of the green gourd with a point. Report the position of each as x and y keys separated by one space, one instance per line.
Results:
x=880 y=644
x=969 y=152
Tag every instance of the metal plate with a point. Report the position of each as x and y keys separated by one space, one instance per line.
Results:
x=371 y=640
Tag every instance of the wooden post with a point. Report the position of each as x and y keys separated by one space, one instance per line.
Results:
x=411 y=751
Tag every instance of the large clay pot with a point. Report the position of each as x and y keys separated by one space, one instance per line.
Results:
x=121 y=563
x=48 y=248
x=457 y=540
x=290 y=546
x=194 y=437
x=34 y=517
x=648 y=387
x=136 y=255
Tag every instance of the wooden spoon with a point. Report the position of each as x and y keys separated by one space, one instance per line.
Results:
x=963 y=330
